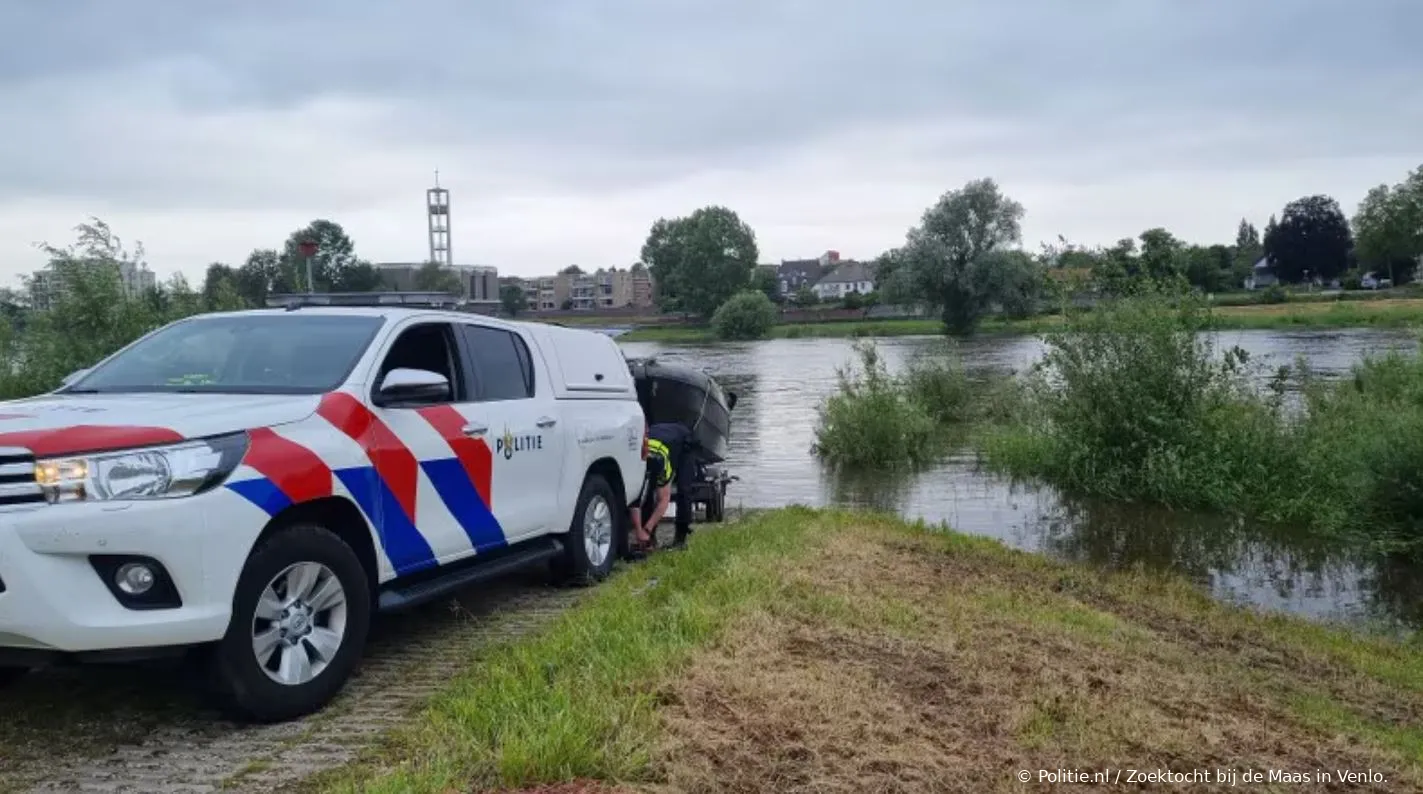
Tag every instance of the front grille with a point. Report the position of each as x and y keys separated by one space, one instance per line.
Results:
x=17 y=477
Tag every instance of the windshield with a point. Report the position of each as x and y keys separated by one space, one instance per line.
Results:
x=246 y=354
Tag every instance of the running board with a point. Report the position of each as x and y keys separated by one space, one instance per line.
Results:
x=480 y=568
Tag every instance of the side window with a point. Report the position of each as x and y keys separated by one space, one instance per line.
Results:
x=428 y=346
x=503 y=368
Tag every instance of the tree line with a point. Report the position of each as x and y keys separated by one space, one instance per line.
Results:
x=964 y=258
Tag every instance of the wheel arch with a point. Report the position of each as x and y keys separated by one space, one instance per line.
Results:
x=343 y=518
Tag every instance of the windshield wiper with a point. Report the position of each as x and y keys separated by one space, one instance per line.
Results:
x=80 y=391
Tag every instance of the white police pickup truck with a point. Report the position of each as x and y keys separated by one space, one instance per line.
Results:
x=254 y=485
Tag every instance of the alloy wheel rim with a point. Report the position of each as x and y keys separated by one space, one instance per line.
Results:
x=300 y=623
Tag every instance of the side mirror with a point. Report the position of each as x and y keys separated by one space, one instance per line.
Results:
x=75 y=375
x=413 y=385
x=731 y=401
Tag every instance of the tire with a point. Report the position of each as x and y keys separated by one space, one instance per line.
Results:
x=594 y=539
x=9 y=675
x=250 y=690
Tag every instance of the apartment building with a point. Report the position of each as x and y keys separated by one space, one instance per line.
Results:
x=603 y=289
x=47 y=285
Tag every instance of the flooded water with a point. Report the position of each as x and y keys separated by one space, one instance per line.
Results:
x=782 y=382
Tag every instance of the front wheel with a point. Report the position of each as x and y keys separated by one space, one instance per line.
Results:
x=300 y=617
x=593 y=538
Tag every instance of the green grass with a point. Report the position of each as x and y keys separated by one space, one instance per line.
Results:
x=705 y=668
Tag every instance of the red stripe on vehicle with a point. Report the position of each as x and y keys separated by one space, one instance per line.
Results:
x=473 y=453
x=393 y=461
x=88 y=438
x=295 y=470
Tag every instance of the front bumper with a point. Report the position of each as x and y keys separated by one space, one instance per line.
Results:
x=55 y=601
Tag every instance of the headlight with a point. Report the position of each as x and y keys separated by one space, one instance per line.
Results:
x=152 y=473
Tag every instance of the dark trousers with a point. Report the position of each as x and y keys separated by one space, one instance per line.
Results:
x=681 y=498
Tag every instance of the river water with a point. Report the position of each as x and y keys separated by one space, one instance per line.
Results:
x=781 y=383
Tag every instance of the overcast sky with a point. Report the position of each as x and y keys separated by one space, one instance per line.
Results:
x=564 y=128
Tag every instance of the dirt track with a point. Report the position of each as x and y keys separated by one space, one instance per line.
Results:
x=132 y=730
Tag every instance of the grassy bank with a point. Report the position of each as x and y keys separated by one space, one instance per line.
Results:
x=1296 y=314
x=827 y=652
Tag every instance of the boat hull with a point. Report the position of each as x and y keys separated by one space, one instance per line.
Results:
x=679 y=393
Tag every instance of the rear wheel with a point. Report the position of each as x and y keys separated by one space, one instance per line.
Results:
x=593 y=538
x=299 y=623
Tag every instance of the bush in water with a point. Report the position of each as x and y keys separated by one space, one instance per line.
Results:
x=880 y=420
x=746 y=315
x=1133 y=402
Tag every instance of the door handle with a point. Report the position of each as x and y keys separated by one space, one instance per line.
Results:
x=474 y=430
x=547 y=421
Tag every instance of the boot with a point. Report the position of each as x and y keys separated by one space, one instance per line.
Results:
x=679 y=539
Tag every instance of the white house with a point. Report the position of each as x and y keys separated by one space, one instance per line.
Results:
x=845 y=279
x=1261 y=275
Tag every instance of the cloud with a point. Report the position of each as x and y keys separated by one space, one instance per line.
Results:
x=563 y=128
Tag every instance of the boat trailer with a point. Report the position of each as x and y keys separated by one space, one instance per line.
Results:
x=709 y=492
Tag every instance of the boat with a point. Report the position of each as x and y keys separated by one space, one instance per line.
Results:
x=671 y=392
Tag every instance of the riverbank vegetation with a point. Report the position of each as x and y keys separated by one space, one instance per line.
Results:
x=1346 y=310
x=1134 y=402
x=891 y=421
x=836 y=652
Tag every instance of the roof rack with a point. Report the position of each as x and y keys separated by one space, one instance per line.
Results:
x=292 y=302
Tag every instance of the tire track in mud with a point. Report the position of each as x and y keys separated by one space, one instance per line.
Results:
x=409 y=658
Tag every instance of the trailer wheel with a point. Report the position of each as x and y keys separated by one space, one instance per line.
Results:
x=716 y=505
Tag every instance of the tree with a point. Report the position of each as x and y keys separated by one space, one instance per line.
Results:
x=763 y=279
x=511 y=296
x=1212 y=268
x=1161 y=255
x=571 y=270
x=745 y=315
x=805 y=296
x=1311 y=240
x=700 y=261
x=335 y=266
x=1248 y=248
x=1388 y=227
x=221 y=291
x=434 y=277
x=262 y=275
x=946 y=259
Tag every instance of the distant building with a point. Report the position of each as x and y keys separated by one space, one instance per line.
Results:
x=792 y=274
x=47 y=285
x=603 y=289
x=845 y=279
x=477 y=282
x=1261 y=275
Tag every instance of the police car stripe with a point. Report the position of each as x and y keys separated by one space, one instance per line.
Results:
x=88 y=438
x=263 y=493
x=405 y=547
x=394 y=463
x=457 y=491
x=298 y=472
x=473 y=454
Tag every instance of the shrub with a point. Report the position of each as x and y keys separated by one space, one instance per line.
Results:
x=92 y=318
x=746 y=315
x=872 y=422
x=1274 y=294
x=1131 y=402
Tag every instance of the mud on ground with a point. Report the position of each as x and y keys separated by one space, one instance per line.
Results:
x=894 y=665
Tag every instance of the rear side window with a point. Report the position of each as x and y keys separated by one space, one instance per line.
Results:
x=503 y=369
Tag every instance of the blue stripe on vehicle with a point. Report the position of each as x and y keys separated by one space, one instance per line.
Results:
x=405 y=547
x=262 y=492
x=457 y=490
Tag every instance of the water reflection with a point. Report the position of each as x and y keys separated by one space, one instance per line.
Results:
x=781 y=384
